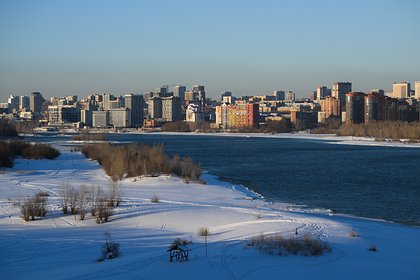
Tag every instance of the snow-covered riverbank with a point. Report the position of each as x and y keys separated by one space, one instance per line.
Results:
x=63 y=247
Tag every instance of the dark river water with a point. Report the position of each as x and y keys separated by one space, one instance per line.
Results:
x=366 y=181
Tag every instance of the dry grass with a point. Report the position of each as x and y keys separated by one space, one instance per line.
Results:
x=278 y=245
x=120 y=161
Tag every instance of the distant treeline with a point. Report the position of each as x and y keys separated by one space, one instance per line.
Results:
x=282 y=126
x=9 y=150
x=380 y=130
x=88 y=136
x=134 y=160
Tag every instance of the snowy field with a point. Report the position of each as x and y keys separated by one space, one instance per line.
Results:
x=64 y=247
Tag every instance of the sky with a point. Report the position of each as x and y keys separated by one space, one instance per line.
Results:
x=248 y=47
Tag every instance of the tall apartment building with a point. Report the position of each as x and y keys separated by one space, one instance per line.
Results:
x=135 y=103
x=120 y=117
x=279 y=95
x=355 y=106
x=401 y=90
x=100 y=119
x=199 y=95
x=171 y=109
x=322 y=92
x=417 y=90
x=179 y=91
x=226 y=97
x=86 y=117
x=193 y=114
x=155 y=107
x=331 y=107
x=339 y=90
x=24 y=103
x=374 y=107
x=63 y=114
x=290 y=96
x=35 y=102
x=237 y=116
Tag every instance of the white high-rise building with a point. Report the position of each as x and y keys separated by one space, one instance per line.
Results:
x=417 y=90
x=401 y=90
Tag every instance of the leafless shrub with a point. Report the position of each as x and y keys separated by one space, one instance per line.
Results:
x=155 y=199
x=179 y=241
x=353 y=234
x=110 y=249
x=33 y=207
x=276 y=244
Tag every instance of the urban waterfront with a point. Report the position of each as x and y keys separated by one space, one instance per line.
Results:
x=366 y=181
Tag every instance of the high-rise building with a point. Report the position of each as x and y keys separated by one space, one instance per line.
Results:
x=179 y=91
x=100 y=119
x=35 y=103
x=226 y=97
x=199 y=95
x=279 y=94
x=24 y=103
x=86 y=117
x=417 y=90
x=155 y=107
x=290 y=96
x=355 y=106
x=322 y=92
x=135 y=103
x=237 y=116
x=340 y=89
x=401 y=90
x=61 y=115
x=331 y=107
x=374 y=107
x=13 y=102
x=120 y=117
x=171 y=109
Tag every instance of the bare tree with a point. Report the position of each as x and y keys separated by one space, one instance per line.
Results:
x=83 y=200
x=204 y=232
x=65 y=197
x=115 y=194
x=73 y=198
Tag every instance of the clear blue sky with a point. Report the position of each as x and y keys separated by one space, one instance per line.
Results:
x=248 y=47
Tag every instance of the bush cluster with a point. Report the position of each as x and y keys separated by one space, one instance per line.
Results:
x=278 y=245
x=11 y=149
x=134 y=160
x=110 y=249
x=35 y=206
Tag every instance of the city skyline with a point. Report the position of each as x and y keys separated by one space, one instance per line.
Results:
x=77 y=47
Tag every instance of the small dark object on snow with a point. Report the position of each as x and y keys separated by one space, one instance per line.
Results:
x=179 y=252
